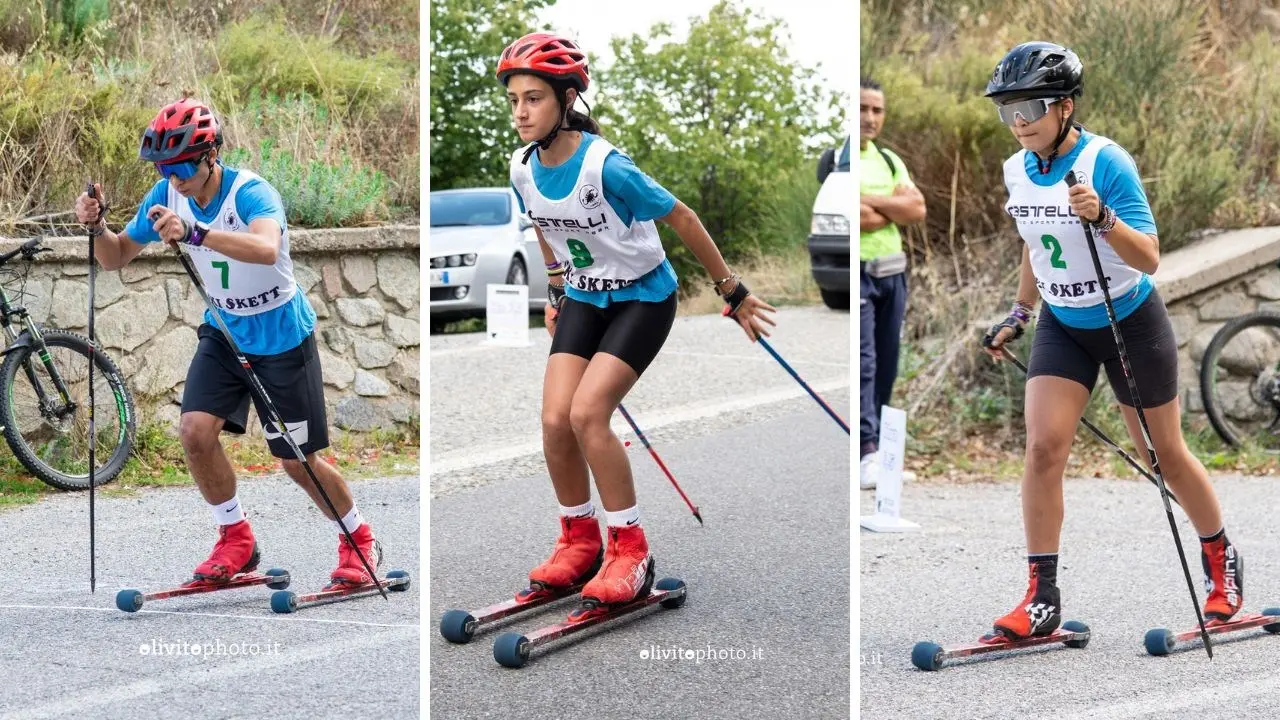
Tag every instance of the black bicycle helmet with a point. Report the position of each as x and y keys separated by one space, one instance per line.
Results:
x=1038 y=69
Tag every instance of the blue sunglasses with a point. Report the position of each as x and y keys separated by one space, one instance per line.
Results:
x=184 y=170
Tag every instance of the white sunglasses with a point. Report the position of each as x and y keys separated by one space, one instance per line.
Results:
x=1029 y=110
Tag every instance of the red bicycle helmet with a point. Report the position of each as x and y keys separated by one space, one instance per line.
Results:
x=550 y=57
x=182 y=131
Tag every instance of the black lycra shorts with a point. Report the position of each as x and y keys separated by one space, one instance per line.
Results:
x=216 y=384
x=1075 y=354
x=632 y=331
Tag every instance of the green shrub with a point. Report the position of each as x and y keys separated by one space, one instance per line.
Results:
x=317 y=193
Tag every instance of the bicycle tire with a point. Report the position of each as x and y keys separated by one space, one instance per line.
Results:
x=124 y=403
x=1209 y=364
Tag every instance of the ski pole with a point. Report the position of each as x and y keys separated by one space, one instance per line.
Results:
x=274 y=414
x=834 y=416
x=1099 y=434
x=93 y=439
x=1071 y=181
x=661 y=464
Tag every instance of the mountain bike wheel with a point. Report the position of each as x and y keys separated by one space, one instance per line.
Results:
x=1240 y=381
x=51 y=437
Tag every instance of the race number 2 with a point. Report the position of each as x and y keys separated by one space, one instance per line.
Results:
x=226 y=270
x=581 y=255
x=1051 y=243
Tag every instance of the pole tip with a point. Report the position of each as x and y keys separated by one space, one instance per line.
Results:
x=698 y=515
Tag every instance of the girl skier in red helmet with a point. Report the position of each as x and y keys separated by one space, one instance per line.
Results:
x=612 y=302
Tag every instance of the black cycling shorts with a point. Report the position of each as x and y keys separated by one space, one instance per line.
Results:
x=1075 y=354
x=218 y=385
x=632 y=331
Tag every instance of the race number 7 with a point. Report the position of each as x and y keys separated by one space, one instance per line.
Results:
x=1051 y=243
x=226 y=271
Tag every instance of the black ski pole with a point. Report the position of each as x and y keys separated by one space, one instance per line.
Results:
x=274 y=414
x=1142 y=418
x=1098 y=433
x=93 y=439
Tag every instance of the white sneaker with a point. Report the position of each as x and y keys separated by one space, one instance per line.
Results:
x=869 y=471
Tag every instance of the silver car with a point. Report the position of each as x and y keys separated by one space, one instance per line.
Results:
x=478 y=237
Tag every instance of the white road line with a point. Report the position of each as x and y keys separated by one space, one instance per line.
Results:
x=204 y=674
x=762 y=357
x=453 y=462
x=1163 y=703
x=272 y=617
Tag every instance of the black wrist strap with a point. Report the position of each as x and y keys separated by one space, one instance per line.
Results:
x=555 y=295
x=735 y=298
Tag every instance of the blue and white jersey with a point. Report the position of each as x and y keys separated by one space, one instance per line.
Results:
x=624 y=245
x=1065 y=276
x=260 y=304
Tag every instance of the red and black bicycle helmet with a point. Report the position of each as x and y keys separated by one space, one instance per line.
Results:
x=183 y=130
x=553 y=58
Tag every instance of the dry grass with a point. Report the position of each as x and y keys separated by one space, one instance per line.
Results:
x=783 y=279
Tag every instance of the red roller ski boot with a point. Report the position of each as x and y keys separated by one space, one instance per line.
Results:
x=235 y=553
x=577 y=557
x=1223 y=580
x=1039 y=613
x=627 y=575
x=350 y=571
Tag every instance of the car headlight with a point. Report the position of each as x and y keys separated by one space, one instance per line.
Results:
x=467 y=260
x=829 y=225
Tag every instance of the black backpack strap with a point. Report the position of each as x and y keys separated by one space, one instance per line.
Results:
x=888 y=159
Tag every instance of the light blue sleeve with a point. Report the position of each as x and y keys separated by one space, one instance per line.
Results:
x=1120 y=186
x=257 y=199
x=139 y=228
x=519 y=200
x=633 y=194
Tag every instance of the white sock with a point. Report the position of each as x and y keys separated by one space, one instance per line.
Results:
x=351 y=521
x=622 y=518
x=228 y=513
x=586 y=509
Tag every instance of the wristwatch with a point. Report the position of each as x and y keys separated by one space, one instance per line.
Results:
x=198 y=233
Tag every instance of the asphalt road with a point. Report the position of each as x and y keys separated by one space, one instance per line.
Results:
x=1119 y=574
x=71 y=654
x=768 y=575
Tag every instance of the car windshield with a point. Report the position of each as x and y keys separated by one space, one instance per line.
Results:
x=842 y=165
x=470 y=208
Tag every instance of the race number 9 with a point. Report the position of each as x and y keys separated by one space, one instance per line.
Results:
x=581 y=255
x=1051 y=243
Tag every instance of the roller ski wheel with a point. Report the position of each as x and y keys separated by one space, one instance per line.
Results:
x=930 y=656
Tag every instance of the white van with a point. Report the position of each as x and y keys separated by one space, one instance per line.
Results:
x=829 y=245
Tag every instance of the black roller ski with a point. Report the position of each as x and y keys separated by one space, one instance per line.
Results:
x=512 y=649
x=131 y=600
x=1160 y=641
x=459 y=626
x=285 y=601
x=931 y=656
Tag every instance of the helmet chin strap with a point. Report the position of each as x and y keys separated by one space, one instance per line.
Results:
x=1057 y=144
x=545 y=142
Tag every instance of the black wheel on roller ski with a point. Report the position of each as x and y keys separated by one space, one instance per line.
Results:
x=511 y=650
x=1075 y=626
x=50 y=437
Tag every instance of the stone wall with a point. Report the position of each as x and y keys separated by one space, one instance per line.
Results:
x=1210 y=282
x=362 y=283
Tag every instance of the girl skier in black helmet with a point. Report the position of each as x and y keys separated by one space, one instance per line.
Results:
x=1035 y=88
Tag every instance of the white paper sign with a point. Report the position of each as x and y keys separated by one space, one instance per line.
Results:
x=507 y=316
x=893 y=445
